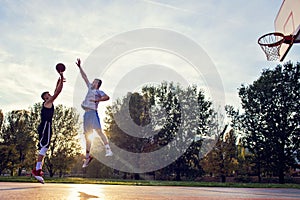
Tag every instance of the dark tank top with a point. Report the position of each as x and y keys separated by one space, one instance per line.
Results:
x=47 y=114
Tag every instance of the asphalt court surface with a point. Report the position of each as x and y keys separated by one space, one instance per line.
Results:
x=48 y=191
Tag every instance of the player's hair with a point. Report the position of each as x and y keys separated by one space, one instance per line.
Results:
x=43 y=94
x=99 y=82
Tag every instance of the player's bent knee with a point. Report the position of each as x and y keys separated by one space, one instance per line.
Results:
x=43 y=151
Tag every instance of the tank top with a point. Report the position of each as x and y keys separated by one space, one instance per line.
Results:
x=47 y=114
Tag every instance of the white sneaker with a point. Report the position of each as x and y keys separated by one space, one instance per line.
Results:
x=87 y=161
x=108 y=152
x=38 y=175
x=40 y=179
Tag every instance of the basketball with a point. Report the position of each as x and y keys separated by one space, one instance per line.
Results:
x=60 y=67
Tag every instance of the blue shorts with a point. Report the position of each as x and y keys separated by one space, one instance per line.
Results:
x=91 y=121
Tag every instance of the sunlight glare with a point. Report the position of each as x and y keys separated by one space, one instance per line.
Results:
x=85 y=191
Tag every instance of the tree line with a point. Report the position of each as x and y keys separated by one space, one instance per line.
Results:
x=263 y=138
x=18 y=141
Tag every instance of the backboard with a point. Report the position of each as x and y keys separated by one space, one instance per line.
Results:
x=287 y=22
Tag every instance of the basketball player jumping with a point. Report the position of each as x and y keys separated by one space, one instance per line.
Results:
x=45 y=128
x=91 y=119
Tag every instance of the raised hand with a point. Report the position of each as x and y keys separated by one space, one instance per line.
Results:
x=62 y=77
x=78 y=63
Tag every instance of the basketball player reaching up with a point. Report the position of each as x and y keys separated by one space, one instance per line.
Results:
x=45 y=127
x=91 y=119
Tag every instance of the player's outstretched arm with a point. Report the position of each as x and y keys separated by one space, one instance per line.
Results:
x=83 y=74
x=57 y=91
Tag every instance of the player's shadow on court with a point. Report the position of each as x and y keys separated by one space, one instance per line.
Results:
x=85 y=196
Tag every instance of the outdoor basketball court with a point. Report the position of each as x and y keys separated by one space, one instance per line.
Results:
x=276 y=46
x=50 y=191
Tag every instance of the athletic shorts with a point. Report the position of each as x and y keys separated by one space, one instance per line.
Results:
x=91 y=121
x=45 y=134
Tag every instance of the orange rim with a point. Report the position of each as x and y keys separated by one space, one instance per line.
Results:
x=271 y=39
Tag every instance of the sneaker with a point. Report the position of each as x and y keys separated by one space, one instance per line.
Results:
x=38 y=175
x=37 y=172
x=87 y=161
x=108 y=152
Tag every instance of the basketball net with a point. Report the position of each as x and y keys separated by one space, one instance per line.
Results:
x=272 y=53
x=270 y=43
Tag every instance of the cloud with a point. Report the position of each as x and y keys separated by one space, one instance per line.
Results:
x=35 y=35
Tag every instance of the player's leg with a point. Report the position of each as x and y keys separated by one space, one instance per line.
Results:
x=88 y=143
x=45 y=133
x=44 y=142
x=105 y=141
x=87 y=127
x=37 y=171
x=97 y=127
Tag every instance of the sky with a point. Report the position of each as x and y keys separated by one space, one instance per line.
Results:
x=131 y=43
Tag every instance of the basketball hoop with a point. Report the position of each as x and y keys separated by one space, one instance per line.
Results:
x=270 y=44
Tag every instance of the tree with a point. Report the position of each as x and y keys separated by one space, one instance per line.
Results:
x=255 y=144
x=123 y=118
x=1 y=119
x=16 y=134
x=174 y=114
x=271 y=119
x=188 y=114
x=98 y=170
x=8 y=157
x=222 y=160
x=245 y=167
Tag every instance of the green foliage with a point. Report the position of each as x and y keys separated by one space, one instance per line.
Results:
x=132 y=110
x=271 y=119
x=222 y=161
x=172 y=116
x=18 y=140
x=8 y=155
x=97 y=170
x=100 y=181
x=16 y=133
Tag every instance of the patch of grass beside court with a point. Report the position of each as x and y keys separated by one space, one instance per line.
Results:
x=77 y=180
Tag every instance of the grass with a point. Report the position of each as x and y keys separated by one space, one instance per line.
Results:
x=77 y=180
